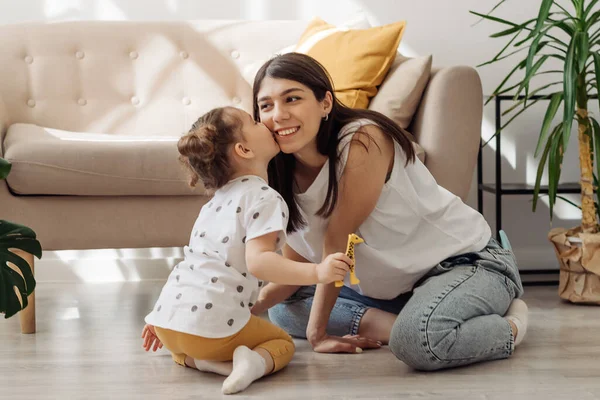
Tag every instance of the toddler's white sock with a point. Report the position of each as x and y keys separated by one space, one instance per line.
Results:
x=218 y=367
x=248 y=366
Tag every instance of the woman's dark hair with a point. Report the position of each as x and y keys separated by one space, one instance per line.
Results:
x=205 y=149
x=309 y=72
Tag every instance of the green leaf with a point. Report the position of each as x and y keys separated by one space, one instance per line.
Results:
x=569 y=88
x=497 y=56
x=506 y=78
x=561 y=58
x=596 y=56
x=568 y=201
x=565 y=11
x=5 y=167
x=512 y=30
x=555 y=101
x=583 y=50
x=579 y=7
x=543 y=14
x=530 y=72
x=554 y=168
x=520 y=65
x=15 y=236
x=531 y=94
x=510 y=120
x=589 y=8
x=565 y=27
x=595 y=36
x=541 y=19
x=557 y=48
x=541 y=165
x=496 y=6
x=529 y=62
x=495 y=19
x=590 y=22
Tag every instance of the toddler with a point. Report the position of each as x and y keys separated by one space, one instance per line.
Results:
x=202 y=315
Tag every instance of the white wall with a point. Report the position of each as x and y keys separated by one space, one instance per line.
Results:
x=441 y=27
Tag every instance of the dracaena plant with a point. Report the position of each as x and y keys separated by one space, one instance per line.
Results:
x=566 y=34
x=16 y=278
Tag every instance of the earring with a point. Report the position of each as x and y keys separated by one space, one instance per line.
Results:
x=326 y=117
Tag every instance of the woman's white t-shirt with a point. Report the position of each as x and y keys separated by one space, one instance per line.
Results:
x=209 y=293
x=415 y=225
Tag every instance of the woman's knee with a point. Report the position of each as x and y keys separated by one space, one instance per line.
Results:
x=291 y=317
x=409 y=343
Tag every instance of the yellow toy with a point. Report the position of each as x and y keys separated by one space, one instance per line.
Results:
x=352 y=240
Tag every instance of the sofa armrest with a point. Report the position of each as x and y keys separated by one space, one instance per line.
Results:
x=447 y=125
x=3 y=125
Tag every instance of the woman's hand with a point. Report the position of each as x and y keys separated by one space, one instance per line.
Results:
x=347 y=344
x=150 y=339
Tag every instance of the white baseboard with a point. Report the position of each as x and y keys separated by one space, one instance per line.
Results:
x=131 y=265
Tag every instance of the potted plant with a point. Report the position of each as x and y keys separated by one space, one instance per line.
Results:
x=568 y=36
x=18 y=245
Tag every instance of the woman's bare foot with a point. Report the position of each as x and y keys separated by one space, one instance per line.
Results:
x=517 y=318
x=377 y=325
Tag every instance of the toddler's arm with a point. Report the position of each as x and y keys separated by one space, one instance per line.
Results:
x=274 y=293
x=264 y=263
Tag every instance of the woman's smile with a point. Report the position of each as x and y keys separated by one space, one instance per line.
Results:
x=286 y=132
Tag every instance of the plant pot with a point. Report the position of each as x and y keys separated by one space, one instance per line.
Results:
x=579 y=258
x=27 y=315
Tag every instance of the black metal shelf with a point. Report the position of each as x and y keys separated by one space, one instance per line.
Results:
x=508 y=188
x=499 y=189
x=522 y=188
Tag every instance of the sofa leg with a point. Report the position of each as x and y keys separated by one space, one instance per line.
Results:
x=27 y=315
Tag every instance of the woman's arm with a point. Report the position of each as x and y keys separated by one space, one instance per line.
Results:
x=264 y=263
x=370 y=157
x=275 y=293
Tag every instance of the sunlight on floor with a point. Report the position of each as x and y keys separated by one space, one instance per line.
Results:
x=69 y=314
x=107 y=265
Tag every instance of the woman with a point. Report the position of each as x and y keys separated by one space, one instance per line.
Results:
x=433 y=285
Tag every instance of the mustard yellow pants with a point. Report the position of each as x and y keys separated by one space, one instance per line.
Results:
x=257 y=334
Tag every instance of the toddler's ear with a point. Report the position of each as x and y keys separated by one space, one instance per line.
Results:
x=243 y=151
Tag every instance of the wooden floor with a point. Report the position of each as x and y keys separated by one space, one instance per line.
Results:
x=88 y=346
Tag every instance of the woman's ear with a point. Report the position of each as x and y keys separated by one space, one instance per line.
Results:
x=327 y=102
x=243 y=151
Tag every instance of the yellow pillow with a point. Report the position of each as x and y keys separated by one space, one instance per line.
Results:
x=357 y=59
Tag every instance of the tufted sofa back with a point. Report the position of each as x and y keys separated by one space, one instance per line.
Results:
x=127 y=78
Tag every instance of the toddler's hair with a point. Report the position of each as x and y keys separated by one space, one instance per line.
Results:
x=205 y=149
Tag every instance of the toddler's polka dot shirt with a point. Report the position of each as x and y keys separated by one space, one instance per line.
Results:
x=210 y=292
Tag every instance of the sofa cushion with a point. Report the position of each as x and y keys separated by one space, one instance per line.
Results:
x=357 y=59
x=400 y=93
x=56 y=162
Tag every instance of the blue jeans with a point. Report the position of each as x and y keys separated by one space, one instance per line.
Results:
x=453 y=316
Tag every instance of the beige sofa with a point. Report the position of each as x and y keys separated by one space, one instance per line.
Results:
x=90 y=113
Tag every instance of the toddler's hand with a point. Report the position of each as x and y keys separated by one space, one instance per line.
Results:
x=150 y=339
x=333 y=268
